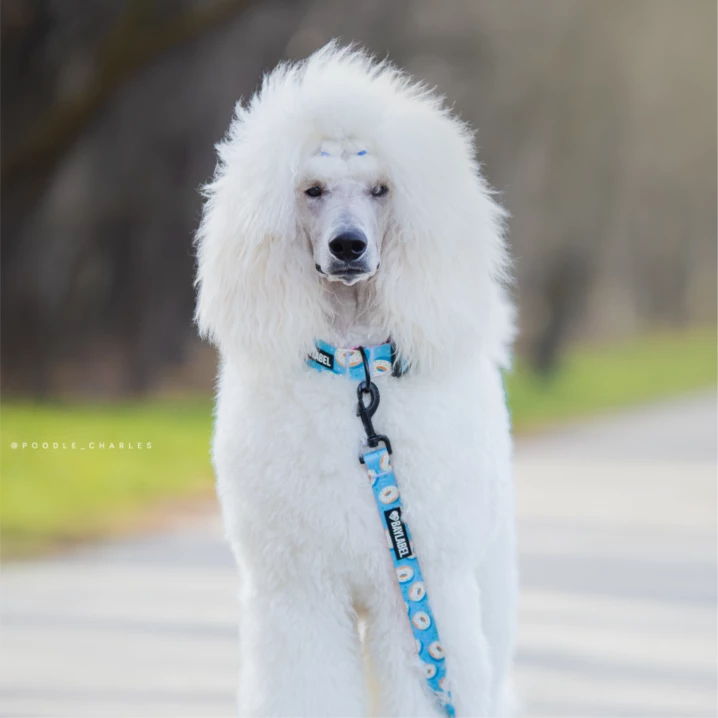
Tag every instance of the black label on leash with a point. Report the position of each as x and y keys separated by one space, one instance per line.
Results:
x=324 y=358
x=397 y=532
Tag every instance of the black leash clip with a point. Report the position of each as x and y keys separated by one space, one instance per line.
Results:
x=366 y=411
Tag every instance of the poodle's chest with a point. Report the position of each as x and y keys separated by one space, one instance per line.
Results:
x=299 y=457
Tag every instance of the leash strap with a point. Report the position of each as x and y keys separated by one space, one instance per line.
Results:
x=406 y=565
x=408 y=574
x=362 y=364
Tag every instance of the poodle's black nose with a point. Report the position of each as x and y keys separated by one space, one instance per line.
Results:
x=348 y=246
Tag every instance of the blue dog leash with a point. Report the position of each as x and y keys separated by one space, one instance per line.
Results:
x=363 y=364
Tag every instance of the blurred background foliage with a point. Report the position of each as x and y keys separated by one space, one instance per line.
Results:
x=596 y=122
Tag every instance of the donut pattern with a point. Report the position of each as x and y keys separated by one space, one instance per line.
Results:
x=417 y=591
x=349 y=362
x=348 y=358
x=404 y=573
x=436 y=651
x=389 y=494
x=409 y=579
x=385 y=463
x=421 y=620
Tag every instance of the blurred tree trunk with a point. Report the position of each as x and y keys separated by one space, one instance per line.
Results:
x=103 y=151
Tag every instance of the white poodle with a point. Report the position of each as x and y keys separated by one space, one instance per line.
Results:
x=347 y=211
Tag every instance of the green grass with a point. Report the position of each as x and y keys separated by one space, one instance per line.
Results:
x=51 y=497
x=64 y=495
x=595 y=379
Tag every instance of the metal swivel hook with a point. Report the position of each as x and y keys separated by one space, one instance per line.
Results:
x=366 y=411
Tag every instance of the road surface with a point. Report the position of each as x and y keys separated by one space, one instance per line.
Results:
x=617 y=521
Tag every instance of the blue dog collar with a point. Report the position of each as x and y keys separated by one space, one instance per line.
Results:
x=382 y=360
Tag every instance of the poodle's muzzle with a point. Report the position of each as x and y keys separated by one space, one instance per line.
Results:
x=348 y=257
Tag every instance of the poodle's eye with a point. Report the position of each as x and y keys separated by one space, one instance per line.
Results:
x=379 y=191
x=315 y=191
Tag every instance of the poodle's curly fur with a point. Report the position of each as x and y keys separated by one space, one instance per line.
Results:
x=298 y=511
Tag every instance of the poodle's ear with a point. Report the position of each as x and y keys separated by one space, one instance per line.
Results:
x=447 y=299
x=446 y=268
x=257 y=291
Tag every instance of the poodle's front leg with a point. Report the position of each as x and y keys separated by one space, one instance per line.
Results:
x=392 y=650
x=400 y=689
x=455 y=601
x=299 y=654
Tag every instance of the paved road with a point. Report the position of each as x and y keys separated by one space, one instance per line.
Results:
x=618 y=557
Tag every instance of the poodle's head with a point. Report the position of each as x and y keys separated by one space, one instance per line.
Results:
x=341 y=169
x=343 y=209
